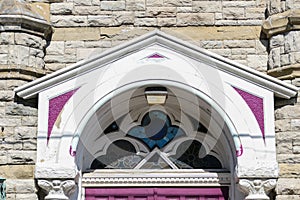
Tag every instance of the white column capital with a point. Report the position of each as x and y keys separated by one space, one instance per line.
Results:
x=257 y=189
x=58 y=189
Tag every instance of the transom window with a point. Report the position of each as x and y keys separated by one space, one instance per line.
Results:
x=155 y=143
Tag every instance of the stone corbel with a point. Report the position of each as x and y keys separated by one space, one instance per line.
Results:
x=58 y=189
x=257 y=189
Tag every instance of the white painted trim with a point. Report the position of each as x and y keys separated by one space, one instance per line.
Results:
x=129 y=178
x=280 y=88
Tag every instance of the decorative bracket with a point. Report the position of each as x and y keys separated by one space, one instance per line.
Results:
x=58 y=189
x=257 y=189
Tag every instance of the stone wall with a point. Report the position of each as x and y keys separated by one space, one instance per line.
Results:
x=21 y=61
x=288 y=151
x=229 y=28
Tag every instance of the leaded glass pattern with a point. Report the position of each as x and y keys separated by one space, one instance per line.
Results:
x=156 y=130
x=155 y=133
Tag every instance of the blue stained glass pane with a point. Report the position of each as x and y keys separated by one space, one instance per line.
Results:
x=156 y=130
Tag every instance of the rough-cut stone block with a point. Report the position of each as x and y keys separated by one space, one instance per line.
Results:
x=145 y=22
x=74 y=44
x=255 y=13
x=97 y=44
x=289 y=170
x=282 y=125
x=284 y=147
x=29 y=144
x=274 y=58
x=287 y=197
x=61 y=8
x=240 y=3
x=288 y=186
x=102 y=20
x=208 y=44
x=7 y=38
x=21 y=157
x=19 y=186
x=258 y=62
x=113 y=5
x=3 y=59
x=76 y=34
x=31 y=196
x=287 y=136
x=20 y=109
x=124 y=17
x=36 y=52
x=23 y=132
x=194 y=19
x=29 y=40
x=83 y=2
x=17 y=171
x=87 y=10
x=207 y=6
x=295 y=124
x=288 y=112
x=84 y=53
x=29 y=121
x=68 y=21
x=288 y=158
x=60 y=58
x=178 y=2
x=276 y=41
x=6 y=95
x=166 y=21
x=239 y=43
x=184 y=9
x=233 y=13
x=18 y=55
x=56 y=48
x=54 y=66
x=150 y=3
x=135 y=5
x=161 y=12
x=10 y=121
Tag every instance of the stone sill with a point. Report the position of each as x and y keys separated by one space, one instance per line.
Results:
x=282 y=22
x=285 y=73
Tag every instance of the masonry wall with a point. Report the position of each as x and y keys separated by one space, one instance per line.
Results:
x=85 y=27
x=229 y=28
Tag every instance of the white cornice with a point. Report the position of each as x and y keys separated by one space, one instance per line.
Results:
x=155 y=178
x=280 y=88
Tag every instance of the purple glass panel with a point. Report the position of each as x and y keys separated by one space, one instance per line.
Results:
x=56 y=104
x=256 y=104
x=220 y=193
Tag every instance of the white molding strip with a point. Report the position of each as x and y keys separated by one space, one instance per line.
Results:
x=110 y=178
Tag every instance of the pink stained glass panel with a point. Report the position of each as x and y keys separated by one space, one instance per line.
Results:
x=157 y=193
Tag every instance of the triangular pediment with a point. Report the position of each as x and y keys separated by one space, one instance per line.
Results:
x=161 y=39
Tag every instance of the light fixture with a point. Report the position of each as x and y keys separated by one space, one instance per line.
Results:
x=156 y=95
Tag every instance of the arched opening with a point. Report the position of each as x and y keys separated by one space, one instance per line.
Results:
x=184 y=138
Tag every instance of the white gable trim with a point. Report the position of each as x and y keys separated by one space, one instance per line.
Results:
x=279 y=88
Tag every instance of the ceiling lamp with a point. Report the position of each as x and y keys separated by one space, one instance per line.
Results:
x=156 y=95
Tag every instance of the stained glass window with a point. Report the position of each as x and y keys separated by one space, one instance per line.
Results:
x=155 y=132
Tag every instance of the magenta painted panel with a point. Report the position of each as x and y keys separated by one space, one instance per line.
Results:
x=156 y=55
x=56 y=105
x=256 y=104
x=157 y=193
